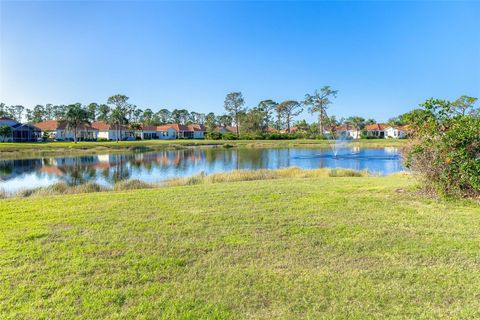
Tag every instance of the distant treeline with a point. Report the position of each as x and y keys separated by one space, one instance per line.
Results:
x=266 y=116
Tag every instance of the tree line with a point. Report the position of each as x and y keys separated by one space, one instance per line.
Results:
x=268 y=115
x=117 y=110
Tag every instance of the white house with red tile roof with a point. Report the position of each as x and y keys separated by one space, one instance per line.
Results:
x=168 y=131
x=57 y=130
x=113 y=132
x=191 y=131
x=347 y=131
x=396 y=132
x=376 y=130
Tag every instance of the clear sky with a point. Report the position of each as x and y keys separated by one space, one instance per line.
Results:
x=383 y=57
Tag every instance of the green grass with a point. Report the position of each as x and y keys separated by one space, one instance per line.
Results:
x=22 y=150
x=291 y=248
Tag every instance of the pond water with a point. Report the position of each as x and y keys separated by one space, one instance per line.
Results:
x=158 y=166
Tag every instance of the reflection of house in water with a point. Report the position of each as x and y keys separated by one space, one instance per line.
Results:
x=10 y=169
x=75 y=161
x=72 y=170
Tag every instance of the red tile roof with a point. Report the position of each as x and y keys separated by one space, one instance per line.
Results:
x=149 y=128
x=181 y=127
x=165 y=127
x=60 y=125
x=376 y=127
x=346 y=127
x=102 y=125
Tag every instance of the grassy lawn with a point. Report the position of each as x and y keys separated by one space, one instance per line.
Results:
x=22 y=150
x=349 y=248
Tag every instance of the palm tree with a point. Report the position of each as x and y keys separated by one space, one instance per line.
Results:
x=357 y=122
x=75 y=117
x=117 y=119
x=319 y=102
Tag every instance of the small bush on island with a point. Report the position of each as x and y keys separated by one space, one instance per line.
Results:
x=445 y=149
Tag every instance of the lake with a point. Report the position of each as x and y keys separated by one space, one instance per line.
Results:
x=158 y=166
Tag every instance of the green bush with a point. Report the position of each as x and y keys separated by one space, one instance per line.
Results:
x=229 y=136
x=213 y=135
x=445 y=149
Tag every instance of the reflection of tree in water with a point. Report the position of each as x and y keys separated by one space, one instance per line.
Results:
x=10 y=169
x=6 y=169
x=77 y=170
x=119 y=170
x=252 y=158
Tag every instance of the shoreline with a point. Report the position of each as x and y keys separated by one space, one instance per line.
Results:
x=9 y=151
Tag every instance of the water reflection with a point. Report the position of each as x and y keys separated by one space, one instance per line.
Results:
x=158 y=166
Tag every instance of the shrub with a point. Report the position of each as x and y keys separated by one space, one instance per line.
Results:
x=445 y=149
x=213 y=135
x=229 y=136
x=60 y=188
x=131 y=185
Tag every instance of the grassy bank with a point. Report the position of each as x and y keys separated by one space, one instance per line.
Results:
x=352 y=247
x=23 y=150
x=62 y=188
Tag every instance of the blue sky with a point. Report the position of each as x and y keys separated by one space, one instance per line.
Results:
x=383 y=57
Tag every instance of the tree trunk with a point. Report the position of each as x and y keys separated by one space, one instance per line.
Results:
x=321 y=122
x=237 y=124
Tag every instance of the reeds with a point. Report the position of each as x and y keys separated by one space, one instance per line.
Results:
x=264 y=174
x=61 y=188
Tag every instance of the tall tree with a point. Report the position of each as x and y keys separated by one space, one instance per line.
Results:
x=103 y=112
x=210 y=121
x=278 y=121
x=357 y=122
x=164 y=116
x=464 y=105
x=58 y=111
x=234 y=105
x=331 y=124
x=289 y=109
x=119 y=115
x=75 y=117
x=37 y=114
x=137 y=115
x=17 y=112
x=5 y=132
x=319 y=103
x=253 y=120
x=117 y=120
x=268 y=107
x=225 y=120
x=180 y=116
x=4 y=111
x=147 y=116
x=92 y=110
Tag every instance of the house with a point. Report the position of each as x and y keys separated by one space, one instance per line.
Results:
x=396 y=132
x=113 y=132
x=168 y=131
x=20 y=132
x=191 y=131
x=347 y=131
x=148 y=132
x=57 y=130
x=376 y=130
x=198 y=130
